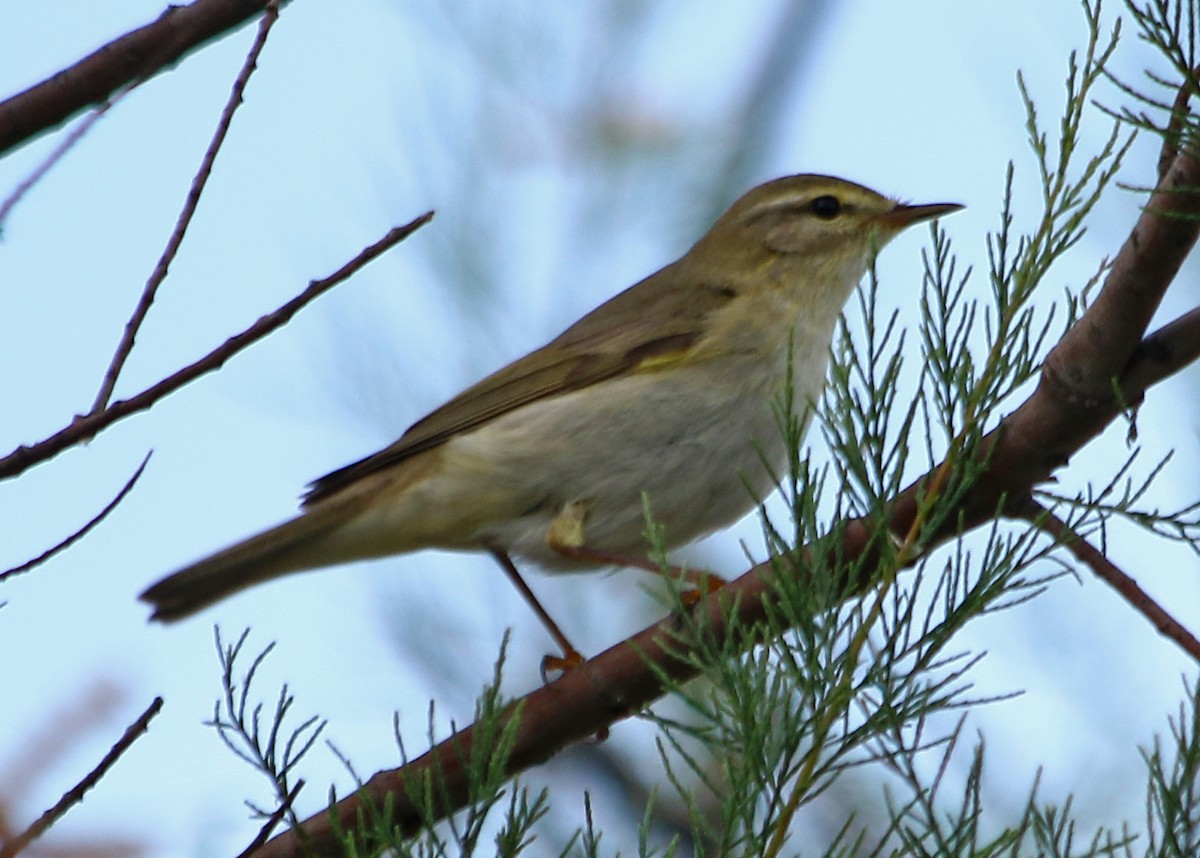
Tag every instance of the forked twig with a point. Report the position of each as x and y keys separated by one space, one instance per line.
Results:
x=175 y=241
x=1072 y=404
x=86 y=427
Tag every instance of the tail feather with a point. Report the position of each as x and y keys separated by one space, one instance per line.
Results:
x=294 y=546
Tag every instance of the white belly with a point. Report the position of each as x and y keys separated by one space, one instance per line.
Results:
x=704 y=448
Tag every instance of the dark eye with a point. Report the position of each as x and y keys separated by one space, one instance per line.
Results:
x=825 y=207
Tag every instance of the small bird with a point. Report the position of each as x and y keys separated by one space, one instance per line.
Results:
x=667 y=391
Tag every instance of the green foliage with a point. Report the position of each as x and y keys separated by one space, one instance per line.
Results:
x=1173 y=794
x=238 y=720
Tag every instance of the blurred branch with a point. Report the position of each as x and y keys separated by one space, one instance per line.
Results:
x=83 y=531
x=128 y=60
x=75 y=795
x=86 y=427
x=758 y=121
x=1074 y=401
x=66 y=145
x=159 y=274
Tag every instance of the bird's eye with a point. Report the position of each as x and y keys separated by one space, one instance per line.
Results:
x=825 y=207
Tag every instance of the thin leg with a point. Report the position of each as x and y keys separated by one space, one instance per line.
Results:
x=570 y=657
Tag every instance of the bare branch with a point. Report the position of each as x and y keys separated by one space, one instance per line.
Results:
x=75 y=795
x=86 y=427
x=83 y=531
x=1109 y=573
x=130 y=59
x=159 y=274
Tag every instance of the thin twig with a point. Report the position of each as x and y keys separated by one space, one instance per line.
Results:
x=1109 y=573
x=86 y=427
x=175 y=241
x=276 y=818
x=83 y=531
x=75 y=795
x=76 y=134
x=42 y=749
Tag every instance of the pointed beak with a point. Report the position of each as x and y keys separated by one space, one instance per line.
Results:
x=905 y=215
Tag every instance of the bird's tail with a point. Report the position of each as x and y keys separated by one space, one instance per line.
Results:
x=305 y=542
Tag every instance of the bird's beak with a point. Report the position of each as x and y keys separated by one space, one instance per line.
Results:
x=905 y=215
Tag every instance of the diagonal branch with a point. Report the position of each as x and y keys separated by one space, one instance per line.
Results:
x=1072 y=404
x=1110 y=574
x=75 y=795
x=130 y=59
x=86 y=427
x=83 y=531
x=159 y=274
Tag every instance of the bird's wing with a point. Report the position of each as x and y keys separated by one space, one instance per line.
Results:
x=632 y=331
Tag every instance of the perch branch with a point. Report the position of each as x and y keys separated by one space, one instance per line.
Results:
x=1073 y=402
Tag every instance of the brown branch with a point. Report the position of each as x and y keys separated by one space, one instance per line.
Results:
x=86 y=427
x=1167 y=350
x=83 y=531
x=1072 y=404
x=1109 y=573
x=75 y=795
x=175 y=241
x=134 y=57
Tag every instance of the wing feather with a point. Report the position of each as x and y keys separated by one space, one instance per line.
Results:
x=647 y=328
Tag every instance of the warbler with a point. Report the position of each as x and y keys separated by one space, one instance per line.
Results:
x=664 y=391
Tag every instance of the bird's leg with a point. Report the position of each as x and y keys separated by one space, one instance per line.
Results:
x=570 y=657
x=565 y=536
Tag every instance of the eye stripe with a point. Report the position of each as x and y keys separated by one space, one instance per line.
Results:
x=802 y=204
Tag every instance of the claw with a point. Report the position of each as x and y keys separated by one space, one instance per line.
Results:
x=706 y=585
